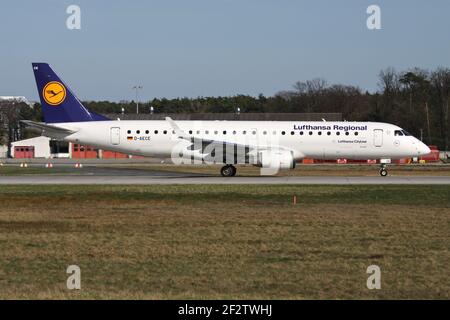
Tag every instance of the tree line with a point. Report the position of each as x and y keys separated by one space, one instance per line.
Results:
x=416 y=100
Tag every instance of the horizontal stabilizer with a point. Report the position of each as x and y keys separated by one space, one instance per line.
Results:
x=48 y=128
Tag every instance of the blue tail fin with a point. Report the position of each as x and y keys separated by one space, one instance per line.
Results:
x=59 y=104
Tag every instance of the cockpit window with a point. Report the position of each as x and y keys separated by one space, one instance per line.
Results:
x=398 y=133
x=406 y=133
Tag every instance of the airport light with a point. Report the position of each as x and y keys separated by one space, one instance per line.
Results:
x=237 y=113
x=137 y=87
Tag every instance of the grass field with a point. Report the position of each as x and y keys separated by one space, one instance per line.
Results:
x=228 y=241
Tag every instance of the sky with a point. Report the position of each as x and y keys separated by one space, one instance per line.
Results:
x=175 y=48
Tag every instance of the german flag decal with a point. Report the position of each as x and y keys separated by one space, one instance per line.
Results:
x=129 y=138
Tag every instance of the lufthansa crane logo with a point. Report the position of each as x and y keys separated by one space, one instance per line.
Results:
x=54 y=93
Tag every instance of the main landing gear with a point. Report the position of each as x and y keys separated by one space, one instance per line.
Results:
x=383 y=170
x=228 y=171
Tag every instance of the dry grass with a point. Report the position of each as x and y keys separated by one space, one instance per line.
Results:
x=224 y=241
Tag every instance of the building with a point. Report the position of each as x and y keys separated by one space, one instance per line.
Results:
x=38 y=147
x=44 y=147
x=15 y=99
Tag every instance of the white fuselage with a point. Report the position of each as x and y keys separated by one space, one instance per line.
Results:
x=318 y=140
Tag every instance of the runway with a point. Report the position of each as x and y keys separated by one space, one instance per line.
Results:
x=199 y=179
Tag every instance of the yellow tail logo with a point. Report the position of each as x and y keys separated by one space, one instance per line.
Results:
x=54 y=93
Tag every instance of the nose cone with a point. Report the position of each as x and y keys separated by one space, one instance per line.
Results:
x=423 y=149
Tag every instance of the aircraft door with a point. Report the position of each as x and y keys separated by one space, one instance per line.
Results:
x=115 y=136
x=378 y=137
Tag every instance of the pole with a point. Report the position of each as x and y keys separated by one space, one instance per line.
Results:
x=137 y=103
x=137 y=98
x=428 y=123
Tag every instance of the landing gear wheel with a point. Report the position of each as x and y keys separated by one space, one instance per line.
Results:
x=383 y=172
x=228 y=171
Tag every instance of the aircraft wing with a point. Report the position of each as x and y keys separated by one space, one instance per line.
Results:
x=48 y=129
x=240 y=152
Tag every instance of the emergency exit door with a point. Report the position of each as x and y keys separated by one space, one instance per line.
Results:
x=378 y=137
x=115 y=136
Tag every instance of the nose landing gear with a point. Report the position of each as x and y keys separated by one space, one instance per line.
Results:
x=383 y=170
x=228 y=171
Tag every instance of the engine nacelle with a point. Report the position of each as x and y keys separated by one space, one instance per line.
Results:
x=276 y=159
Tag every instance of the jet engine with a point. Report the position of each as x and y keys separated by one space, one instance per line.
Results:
x=276 y=159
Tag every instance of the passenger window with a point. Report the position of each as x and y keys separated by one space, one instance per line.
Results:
x=292 y=133
x=156 y=131
x=224 y=132
x=234 y=132
x=215 y=132
x=356 y=133
x=138 y=131
x=264 y=132
x=206 y=132
x=165 y=131
x=244 y=132
x=310 y=133
x=319 y=133
x=328 y=133
x=338 y=133
x=283 y=133
x=190 y=131
x=301 y=133
x=129 y=131
x=146 y=131
x=347 y=133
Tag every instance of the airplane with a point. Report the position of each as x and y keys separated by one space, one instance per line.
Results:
x=271 y=145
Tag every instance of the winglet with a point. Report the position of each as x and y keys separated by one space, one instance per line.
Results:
x=180 y=133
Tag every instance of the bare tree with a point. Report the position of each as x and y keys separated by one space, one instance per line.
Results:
x=389 y=81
